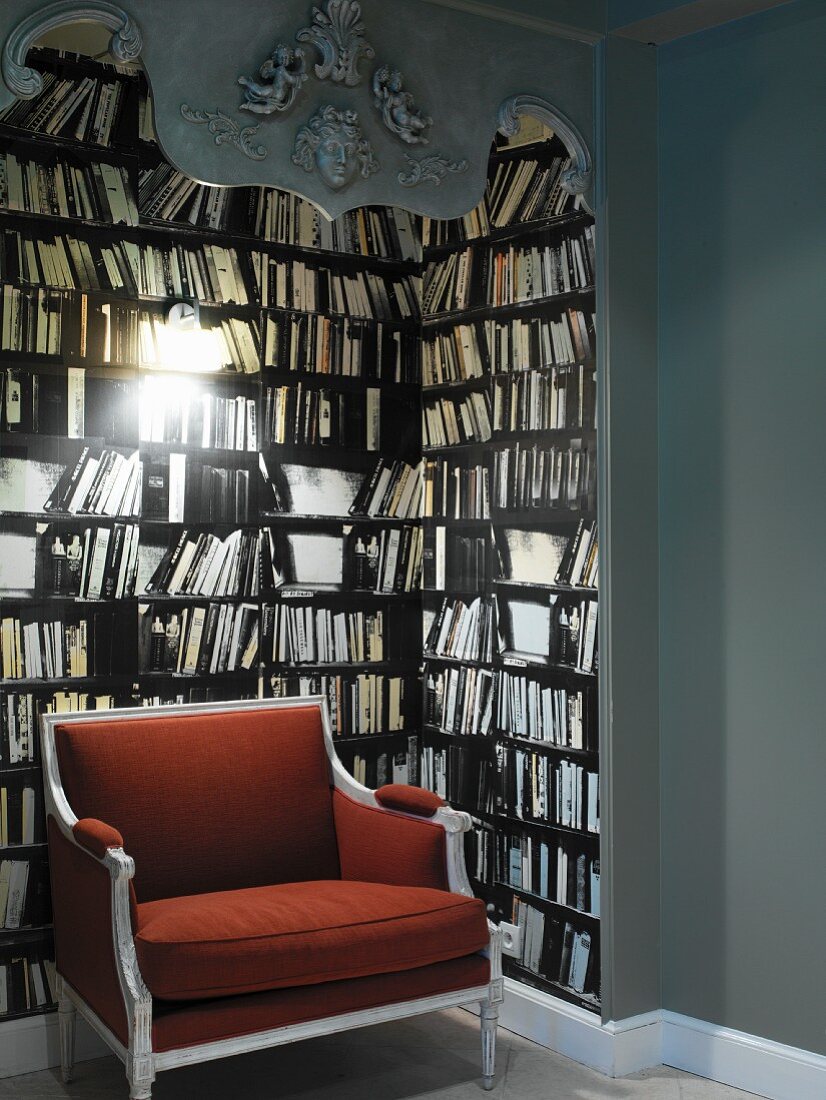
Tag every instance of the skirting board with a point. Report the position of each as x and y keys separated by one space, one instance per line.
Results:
x=747 y=1062
x=744 y=1061
x=614 y=1049
x=32 y=1044
x=731 y=1057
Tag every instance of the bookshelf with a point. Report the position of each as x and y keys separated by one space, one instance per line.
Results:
x=235 y=517
x=371 y=476
x=510 y=569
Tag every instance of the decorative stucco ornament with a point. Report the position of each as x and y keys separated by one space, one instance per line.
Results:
x=338 y=33
x=333 y=145
x=281 y=77
x=125 y=45
x=227 y=131
x=401 y=115
x=430 y=169
x=576 y=179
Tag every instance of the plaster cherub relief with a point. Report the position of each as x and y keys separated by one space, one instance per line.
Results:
x=400 y=114
x=282 y=75
x=332 y=144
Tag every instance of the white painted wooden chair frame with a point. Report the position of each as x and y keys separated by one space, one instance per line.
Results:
x=141 y=1063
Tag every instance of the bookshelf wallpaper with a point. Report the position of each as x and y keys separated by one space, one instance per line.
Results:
x=369 y=472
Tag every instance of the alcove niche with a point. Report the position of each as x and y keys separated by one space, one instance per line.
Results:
x=331 y=328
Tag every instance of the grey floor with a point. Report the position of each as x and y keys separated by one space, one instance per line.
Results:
x=431 y=1057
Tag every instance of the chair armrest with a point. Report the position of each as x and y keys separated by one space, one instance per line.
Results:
x=94 y=907
x=409 y=800
x=96 y=836
x=398 y=845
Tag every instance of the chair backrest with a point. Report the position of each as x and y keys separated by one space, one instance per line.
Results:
x=207 y=801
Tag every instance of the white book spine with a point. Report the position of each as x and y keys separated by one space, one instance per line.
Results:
x=177 y=487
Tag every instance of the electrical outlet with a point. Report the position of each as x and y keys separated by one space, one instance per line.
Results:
x=511 y=940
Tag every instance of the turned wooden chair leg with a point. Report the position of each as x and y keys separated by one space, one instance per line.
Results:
x=490 y=1020
x=67 y=1016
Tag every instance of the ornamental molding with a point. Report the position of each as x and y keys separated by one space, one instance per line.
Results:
x=430 y=169
x=227 y=131
x=25 y=82
x=429 y=129
x=338 y=34
x=577 y=179
x=400 y=114
x=280 y=80
x=333 y=144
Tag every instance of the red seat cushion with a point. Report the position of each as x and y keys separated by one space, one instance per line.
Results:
x=302 y=933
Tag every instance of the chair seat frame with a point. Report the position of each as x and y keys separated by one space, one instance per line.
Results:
x=140 y=1061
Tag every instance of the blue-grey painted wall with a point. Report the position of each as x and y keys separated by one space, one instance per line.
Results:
x=627 y=312
x=743 y=524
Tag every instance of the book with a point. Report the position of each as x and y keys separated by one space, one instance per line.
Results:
x=447 y=422
x=536 y=788
x=507 y=274
x=31 y=321
x=532 y=710
x=291 y=219
x=459 y=354
x=76 y=645
x=56 y=187
x=102 y=482
x=460 y=700
x=390 y=561
x=343 y=347
x=89 y=110
x=198 y=639
x=311 y=288
x=196 y=416
x=202 y=564
x=18 y=878
x=301 y=633
x=455 y=491
x=301 y=415
x=454 y=562
x=393 y=490
x=563 y=398
x=534 y=477
x=361 y=704
x=462 y=631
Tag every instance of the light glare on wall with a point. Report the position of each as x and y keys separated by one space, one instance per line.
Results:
x=184 y=345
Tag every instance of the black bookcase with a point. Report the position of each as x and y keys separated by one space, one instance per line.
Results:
x=510 y=725
x=231 y=512
x=251 y=522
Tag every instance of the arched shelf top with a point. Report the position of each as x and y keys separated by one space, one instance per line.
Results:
x=579 y=178
x=416 y=105
x=23 y=81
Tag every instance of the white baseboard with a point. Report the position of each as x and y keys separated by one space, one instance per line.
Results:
x=744 y=1061
x=614 y=1049
x=617 y=1048
x=32 y=1044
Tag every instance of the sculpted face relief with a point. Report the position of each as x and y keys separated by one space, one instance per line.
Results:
x=336 y=162
x=333 y=145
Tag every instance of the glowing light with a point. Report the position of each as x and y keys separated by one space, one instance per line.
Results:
x=193 y=349
x=178 y=343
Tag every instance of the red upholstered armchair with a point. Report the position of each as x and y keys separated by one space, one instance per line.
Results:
x=222 y=884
